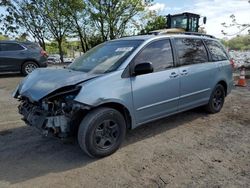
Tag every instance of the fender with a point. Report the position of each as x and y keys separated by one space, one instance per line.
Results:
x=118 y=90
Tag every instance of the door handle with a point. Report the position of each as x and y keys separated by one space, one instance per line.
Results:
x=173 y=75
x=184 y=72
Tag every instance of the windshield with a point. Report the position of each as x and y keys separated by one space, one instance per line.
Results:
x=106 y=57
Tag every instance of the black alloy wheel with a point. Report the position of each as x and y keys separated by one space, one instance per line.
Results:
x=101 y=132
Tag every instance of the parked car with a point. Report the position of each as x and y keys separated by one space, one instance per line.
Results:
x=54 y=59
x=124 y=83
x=68 y=60
x=21 y=56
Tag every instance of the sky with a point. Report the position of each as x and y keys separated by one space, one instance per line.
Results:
x=216 y=11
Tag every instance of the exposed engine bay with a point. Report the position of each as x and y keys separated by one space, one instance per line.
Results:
x=55 y=114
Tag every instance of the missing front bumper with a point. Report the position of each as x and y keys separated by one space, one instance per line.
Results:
x=35 y=116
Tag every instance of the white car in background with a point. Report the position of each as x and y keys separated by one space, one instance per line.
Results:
x=68 y=60
x=54 y=59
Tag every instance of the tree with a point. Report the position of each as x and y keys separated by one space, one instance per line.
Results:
x=234 y=23
x=55 y=14
x=112 y=16
x=81 y=22
x=238 y=43
x=21 y=17
x=22 y=37
x=2 y=37
x=158 y=22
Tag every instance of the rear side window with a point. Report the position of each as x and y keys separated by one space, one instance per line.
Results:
x=159 y=53
x=216 y=50
x=191 y=51
x=10 y=47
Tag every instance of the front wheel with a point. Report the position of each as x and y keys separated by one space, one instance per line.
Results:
x=216 y=100
x=101 y=132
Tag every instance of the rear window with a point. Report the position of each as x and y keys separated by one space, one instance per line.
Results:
x=191 y=51
x=10 y=47
x=216 y=50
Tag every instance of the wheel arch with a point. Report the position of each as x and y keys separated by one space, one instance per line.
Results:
x=80 y=115
x=120 y=108
x=224 y=84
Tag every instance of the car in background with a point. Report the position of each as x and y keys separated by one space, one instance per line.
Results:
x=68 y=60
x=21 y=56
x=54 y=59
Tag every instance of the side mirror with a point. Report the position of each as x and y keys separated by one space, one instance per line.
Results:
x=204 y=20
x=143 y=68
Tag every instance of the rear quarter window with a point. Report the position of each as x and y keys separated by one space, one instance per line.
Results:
x=216 y=50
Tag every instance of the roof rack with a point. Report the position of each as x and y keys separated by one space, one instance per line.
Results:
x=197 y=34
x=177 y=31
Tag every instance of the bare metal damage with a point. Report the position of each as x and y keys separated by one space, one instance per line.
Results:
x=53 y=115
x=51 y=109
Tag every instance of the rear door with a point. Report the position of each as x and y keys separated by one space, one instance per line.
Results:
x=155 y=94
x=196 y=72
x=11 y=56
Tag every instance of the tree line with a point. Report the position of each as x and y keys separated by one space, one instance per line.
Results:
x=238 y=43
x=90 y=21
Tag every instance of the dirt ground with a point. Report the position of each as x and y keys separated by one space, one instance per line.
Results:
x=191 y=149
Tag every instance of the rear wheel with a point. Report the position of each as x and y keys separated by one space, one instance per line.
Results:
x=101 y=132
x=28 y=67
x=216 y=100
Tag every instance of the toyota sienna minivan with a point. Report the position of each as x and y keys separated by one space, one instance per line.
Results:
x=124 y=83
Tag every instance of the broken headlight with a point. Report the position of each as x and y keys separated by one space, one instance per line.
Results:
x=68 y=93
x=61 y=100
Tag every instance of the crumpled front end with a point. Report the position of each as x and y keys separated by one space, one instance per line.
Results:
x=56 y=114
x=47 y=99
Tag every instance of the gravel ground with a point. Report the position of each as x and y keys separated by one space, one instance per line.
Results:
x=191 y=149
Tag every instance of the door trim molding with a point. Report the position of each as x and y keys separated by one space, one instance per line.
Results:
x=194 y=93
x=157 y=103
x=173 y=99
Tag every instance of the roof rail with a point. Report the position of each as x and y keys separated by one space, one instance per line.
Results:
x=197 y=34
x=177 y=31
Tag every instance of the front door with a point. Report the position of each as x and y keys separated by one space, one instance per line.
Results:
x=156 y=94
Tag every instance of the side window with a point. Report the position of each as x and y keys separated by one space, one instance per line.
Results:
x=159 y=53
x=10 y=47
x=216 y=50
x=191 y=51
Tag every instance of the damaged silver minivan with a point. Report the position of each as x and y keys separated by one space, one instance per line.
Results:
x=124 y=83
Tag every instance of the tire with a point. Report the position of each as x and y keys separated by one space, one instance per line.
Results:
x=101 y=132
x=28 y=67
x=216 y=100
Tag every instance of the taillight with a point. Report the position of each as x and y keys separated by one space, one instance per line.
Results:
x=44 y=53
x=232 y=63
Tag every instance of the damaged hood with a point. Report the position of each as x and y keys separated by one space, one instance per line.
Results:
x=42 y=82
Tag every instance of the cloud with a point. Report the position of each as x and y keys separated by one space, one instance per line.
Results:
x=217 y=12
x=157 y=7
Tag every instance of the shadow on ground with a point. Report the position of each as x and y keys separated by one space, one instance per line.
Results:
x=25 y=155
x=10 y=75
